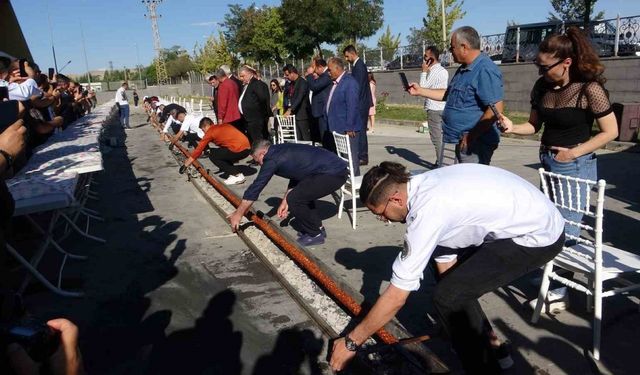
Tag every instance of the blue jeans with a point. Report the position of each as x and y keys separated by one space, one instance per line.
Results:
x=586 y=167
x=124 y=115
x=478 y=152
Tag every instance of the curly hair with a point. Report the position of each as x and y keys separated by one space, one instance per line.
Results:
x=574 y=44
x=379 y=179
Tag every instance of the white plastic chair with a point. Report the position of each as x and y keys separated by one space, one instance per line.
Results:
x=287 y=129
x=200 y=110
x=352 y=186
x=598 y=262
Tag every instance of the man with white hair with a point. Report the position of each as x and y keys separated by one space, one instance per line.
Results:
x=254 y=104
x=468 y=119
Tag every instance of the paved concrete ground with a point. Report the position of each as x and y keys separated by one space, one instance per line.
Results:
x=174 y=291
x=555 y=345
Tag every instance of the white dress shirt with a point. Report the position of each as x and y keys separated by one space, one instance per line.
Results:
x=191 y=124
x=121 y=96
x=436 y=78
x=23 y=91
x=465 y=205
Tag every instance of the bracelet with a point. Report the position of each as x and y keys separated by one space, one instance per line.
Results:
x=8 y=158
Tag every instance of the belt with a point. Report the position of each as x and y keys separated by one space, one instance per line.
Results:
x=545 y=148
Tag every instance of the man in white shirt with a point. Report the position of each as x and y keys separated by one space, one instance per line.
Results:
x=483 y=226
x=434 y=76
x=189 y=128
x=123 y=105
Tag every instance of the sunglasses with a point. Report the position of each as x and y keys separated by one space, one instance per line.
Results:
x=546 y=68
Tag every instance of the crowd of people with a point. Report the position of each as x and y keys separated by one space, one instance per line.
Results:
x=515 y=227
x=468 y=260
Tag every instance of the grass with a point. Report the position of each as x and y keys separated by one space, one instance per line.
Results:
x=416 y=113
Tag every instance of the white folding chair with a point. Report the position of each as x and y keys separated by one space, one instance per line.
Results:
x=200 y=110
x=598 y=262
x=352 y=186
x=447 y=155
x=287 y=129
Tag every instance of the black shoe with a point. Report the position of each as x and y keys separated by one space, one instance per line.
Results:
x=364 y=162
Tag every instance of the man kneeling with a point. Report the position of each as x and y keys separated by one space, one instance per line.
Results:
x=483 y=226
x=232 y=145
x=313 y=173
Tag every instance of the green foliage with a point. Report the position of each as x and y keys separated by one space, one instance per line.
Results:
x=571 y=10
x=308 y=24
x=214 y=53
x=113 y=75
x=179 y=66
x=358 y=19
x=256 y=34
x=431 y=30
x=389 y=44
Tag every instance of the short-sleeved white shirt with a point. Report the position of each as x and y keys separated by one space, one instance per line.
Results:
x=121 y=96
x=465 y=205
x=24 y=90
x=191 y=124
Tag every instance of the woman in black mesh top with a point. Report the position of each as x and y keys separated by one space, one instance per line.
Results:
x=567 y=99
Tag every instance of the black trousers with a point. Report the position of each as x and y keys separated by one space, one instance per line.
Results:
x=224 y=158
x=192 y=139
x=363 y=141
x=257 y=130
x=301 y=199
x=480 y=270
x=241 y=125
x=303 y=129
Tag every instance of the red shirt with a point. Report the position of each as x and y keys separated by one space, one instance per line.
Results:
x=223 y=135
x=228 y=97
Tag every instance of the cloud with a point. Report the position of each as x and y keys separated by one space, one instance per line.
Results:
x=206 y=23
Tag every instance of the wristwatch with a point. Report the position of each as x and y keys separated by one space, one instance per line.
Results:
x=350 y=344
x=8 y=157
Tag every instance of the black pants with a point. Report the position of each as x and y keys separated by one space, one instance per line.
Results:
x=363 y=141
x=257 y=130
x=224 y=158
x=192 y=139
x=478 y=271
x=303 y=129
x=301 y=199
x=241 y=125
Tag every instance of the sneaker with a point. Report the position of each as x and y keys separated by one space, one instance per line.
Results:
x=308 y=240
x=322 y=230
x=503 y=356
x=235 y=180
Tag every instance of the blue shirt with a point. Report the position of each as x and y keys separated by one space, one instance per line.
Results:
x=470 y=92
x=295 y=162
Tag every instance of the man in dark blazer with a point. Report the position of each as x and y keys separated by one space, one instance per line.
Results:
x=359 y=72
x=299 y=102
x=343 y=108
x=213 y=82
x=320 y=84
x=254 y=104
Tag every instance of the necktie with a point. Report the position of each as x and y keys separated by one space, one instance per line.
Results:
x=333 y=88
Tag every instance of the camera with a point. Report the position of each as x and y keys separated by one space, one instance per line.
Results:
x=38 y=339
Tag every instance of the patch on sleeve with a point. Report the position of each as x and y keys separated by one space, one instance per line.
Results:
x=406 y=250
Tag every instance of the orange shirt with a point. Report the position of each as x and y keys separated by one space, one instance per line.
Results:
x=223 y=135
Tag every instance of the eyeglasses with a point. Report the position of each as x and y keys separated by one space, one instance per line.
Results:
x=546 y=68
x=381 y=216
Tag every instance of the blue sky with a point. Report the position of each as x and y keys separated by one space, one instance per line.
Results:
x=113 y=28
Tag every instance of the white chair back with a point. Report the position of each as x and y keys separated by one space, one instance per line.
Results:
x=287 y=129
x=588 y=256
x=352 y=185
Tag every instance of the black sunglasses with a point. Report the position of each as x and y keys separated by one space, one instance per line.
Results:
x=546 y=68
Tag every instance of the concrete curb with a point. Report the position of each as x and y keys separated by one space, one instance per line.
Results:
x=611 y=146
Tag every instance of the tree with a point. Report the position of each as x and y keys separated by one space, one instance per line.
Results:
x=268 y=39
x=431 y=30
x=572 y=10
x=239 y=24
x=389 y=44
x=179 y=66
x=308 y=24
x=358 y=19
x=214 y=53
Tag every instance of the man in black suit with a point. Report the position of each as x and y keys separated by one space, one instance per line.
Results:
x=320 y=84
x=213 y=81
x=299 y=102
x=254 y=104
x=359 y=72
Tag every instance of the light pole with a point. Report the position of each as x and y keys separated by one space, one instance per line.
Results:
x=138 y=63
x=84 y=49
x=53 y=48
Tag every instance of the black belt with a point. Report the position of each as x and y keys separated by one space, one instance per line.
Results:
x=545 y=148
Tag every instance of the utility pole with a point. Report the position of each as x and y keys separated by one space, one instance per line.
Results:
x=444 y=25
x=161 y=68
x=138 y=63
x=53 y=48
x=84 y=49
